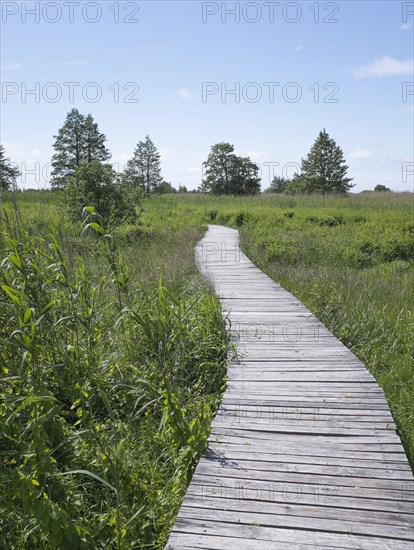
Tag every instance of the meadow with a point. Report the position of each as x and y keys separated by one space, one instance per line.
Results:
x=348 y=258
x=113 y=355
x=114 y=350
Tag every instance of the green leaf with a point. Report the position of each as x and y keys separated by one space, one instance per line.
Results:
x=46 y=308
x=97 y=227
x=12 y=293
x=105 y=399
x=90 y=209
x=15 y=260
x=27 y=315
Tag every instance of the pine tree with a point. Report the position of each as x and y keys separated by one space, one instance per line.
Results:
x=8 y=172
x=78 y=142
x=324 y=170
x=94 y=142
x=144 y=169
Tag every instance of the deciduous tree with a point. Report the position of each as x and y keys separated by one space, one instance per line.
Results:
x=227 y=174
x=98 y=185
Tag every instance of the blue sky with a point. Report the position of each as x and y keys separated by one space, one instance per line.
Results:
x=167 y=69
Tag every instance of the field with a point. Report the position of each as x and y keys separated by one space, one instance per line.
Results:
x=350 y=259
x=113 y=350
x=113 y=359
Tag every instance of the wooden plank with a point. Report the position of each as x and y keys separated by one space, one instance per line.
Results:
x=321 y=496
x=331 y=468
x=306 y=511
x=295 y=522
x=303 y=452
x=324 y=491
x=228 y=452
x=278 y=537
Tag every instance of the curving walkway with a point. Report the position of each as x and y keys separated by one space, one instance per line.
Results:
x=303 y=452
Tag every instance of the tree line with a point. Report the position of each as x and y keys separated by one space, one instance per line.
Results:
x=323 y=171
x=82 y=171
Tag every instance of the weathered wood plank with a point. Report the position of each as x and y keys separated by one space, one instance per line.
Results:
x=303 y=452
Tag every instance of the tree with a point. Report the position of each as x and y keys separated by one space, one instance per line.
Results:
x=324 y=169
x=164 y=188
x=227 y=174
x=78 y=142
x=144 y=169
x=382 y=188
x=8 y=172
x=95 y=148
x=278 y=185
x=98 y=185
x=182 y=189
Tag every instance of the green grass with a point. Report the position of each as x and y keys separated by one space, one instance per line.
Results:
x=350 y=259
x=113 y=351
x=113 y=357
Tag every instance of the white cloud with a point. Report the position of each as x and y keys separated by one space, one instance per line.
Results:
x=373 y=156
x=298 y=48
x=34 y=152
x=194 y=169
x=386 y=66
x=406 y=26
x=184 y=94
x=12 y=67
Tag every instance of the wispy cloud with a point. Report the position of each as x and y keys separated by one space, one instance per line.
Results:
x=34 y=152
x=12 y=67
x=386 y=66
x=184 y=94
x=373 y=156
x=298 y=48
x=406 y=26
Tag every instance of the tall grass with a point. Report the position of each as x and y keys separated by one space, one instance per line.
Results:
x=349 y=258
x=111 y=373
x=113 y=351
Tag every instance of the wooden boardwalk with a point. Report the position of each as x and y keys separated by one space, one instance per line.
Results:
x=303 y=452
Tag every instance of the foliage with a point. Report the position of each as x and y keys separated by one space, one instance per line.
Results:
x=78 y=142
x=278 y=185
x=348 y=257
x=163 y=188
x=298 y=185
x=8 y=172
x=98 y=185
x=324 y=170
x=381 y=188
x=108 y=385
x=228 y=174
x=143 y=170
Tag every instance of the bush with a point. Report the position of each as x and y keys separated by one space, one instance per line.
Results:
x=97 y=185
